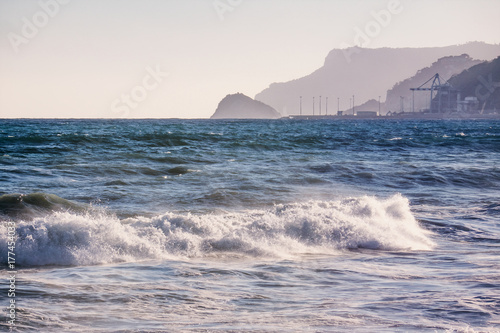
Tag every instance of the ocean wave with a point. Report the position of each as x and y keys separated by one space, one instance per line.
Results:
x=68 y=238
x=35 y=204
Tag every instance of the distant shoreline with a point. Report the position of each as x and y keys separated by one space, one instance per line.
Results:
x=407 y=116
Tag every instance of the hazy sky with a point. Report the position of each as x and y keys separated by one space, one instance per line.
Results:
x=179 y=58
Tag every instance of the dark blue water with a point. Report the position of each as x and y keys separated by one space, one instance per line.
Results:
x=283 y=225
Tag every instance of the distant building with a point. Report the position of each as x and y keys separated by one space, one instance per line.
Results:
x=469 y=105
x=367 y=114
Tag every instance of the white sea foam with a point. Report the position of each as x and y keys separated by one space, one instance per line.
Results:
x=64 y=238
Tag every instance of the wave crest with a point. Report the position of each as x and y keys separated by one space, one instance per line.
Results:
x=64 y=238
x=30 y=205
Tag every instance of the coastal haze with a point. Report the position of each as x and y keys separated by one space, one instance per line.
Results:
x=162 y=59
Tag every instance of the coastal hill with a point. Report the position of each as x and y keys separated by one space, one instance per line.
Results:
x=364 y=73
x=400 y=96
x=239 y=106
x=370 y=105
x=481 y=81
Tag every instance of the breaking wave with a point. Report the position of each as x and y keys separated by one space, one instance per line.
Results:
x=70 y=238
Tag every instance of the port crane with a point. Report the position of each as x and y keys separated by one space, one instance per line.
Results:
x=441 y=95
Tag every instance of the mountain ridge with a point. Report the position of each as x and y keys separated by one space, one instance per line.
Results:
x=364 y=74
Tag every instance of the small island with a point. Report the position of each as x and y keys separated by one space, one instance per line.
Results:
x=240 y=106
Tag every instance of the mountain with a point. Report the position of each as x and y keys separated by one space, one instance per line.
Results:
x=481 y=81
x=239 y=106
x=370 y=105
x=446 y=67
x=362 y=73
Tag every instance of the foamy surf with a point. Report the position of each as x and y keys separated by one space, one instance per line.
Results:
x=64 y=238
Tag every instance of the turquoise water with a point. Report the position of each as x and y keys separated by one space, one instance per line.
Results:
x=256 y=226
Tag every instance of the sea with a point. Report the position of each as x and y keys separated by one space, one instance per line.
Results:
x=249 y=225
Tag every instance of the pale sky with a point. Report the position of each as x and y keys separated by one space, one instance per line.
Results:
x=179 y=58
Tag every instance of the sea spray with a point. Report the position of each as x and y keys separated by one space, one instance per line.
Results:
x=65 y=238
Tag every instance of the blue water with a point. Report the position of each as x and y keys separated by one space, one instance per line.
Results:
x=253 y=226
